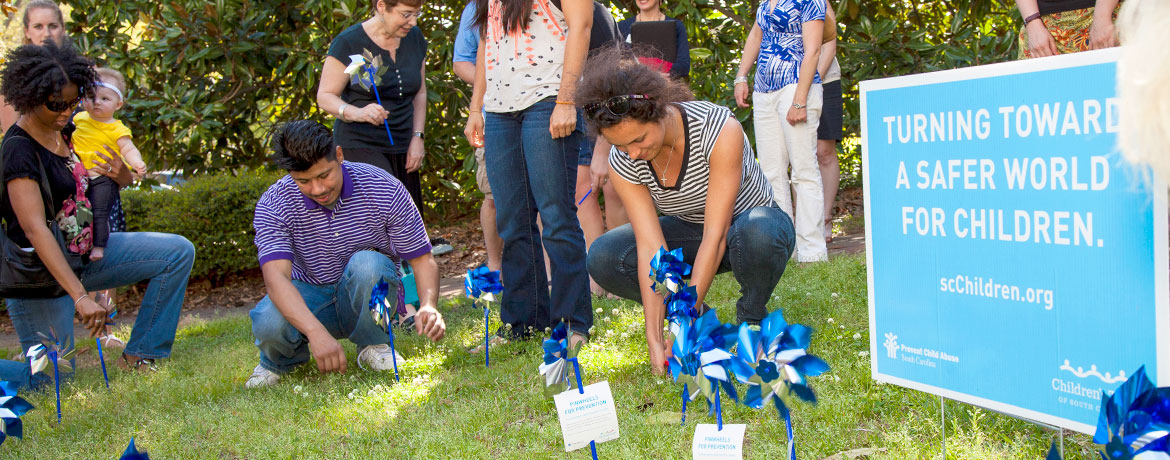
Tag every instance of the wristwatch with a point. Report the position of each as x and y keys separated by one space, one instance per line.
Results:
x=419 y=134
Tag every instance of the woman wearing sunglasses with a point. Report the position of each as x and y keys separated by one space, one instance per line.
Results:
x=526 y=72
x=44 y=84
x=686 y=172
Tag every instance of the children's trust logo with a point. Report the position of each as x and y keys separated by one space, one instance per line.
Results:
x=891 y=345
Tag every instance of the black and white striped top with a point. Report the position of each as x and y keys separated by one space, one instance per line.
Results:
x=687 y=200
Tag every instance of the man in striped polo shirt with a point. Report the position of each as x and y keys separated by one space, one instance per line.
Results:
x=326 y=234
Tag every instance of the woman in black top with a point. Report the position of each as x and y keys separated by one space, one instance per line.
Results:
x=651 y=10
x=393 y=36
x=44 y=84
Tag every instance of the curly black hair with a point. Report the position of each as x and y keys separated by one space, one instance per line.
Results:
x=298 y=145
x=32 y=74
x=616 y=71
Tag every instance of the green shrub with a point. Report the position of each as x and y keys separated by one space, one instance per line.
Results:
x=213 y=211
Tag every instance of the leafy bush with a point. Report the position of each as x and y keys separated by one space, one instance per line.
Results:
x=213 y=211
x=208 y=80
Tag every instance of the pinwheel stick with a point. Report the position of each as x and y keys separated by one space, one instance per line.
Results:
x=101 y=358
x=374 y=88
x=718 y=409
x=393 y=354
x=56 y=383
x=581 y=390
x=487 y=362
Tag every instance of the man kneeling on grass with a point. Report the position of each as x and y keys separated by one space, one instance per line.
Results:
x=326 y=234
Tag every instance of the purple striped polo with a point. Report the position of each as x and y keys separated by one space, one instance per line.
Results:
x=374 y=212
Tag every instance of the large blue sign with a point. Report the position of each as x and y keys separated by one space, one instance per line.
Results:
x=1016 y=261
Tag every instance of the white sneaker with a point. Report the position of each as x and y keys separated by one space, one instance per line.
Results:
x=379 y=357
x=261 y=377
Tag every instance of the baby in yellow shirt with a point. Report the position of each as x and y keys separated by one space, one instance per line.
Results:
x=97 y=129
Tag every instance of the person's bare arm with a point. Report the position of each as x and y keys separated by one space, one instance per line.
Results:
x=284 y=295
x=130 y=152
x=1102 y=33
x=751 y=51
x=648 y=236
x=28 y=206
x=333 y=81
x=473 y=130
x=465 y=70
x=579 y=18
x=811 y=32
x=428 y=321
x=1040 y=42
x=828 y=53
x=416 y=150
x=722 y=189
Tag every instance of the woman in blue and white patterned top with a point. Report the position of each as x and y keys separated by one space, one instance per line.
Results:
x=786 y=39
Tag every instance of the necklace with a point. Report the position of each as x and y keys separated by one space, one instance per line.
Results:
x=56 y=138
x=642 y=18
x=669 y=158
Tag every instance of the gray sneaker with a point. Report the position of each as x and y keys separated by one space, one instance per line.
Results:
x=379 y=357
x=261 y=377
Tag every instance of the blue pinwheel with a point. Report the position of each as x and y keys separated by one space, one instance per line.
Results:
x=52 y=352
x=366 y=70
x=557 y=353
x=382 y=312
x=700 y=360
x=669 y=268
x=483 y=284
x=12 y=407
x=132 y=453
x=1135 y=420
x=681 y=304
x=774 y=362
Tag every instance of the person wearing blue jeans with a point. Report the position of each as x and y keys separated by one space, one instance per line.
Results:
x=44 y=179
x=327 y=234
x=531 y=134
x=162 y=258
x=686 y=173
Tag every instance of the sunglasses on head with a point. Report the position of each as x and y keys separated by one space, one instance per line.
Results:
x=61 y=106
x=617 y=105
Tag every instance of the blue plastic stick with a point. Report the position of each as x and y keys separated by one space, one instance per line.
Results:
x=486 y=349
x=374 y=89
x=393 y=354
x=581 y=390
x=56 y=383
x=584 y=197
x=103 y=360
x=684 y=413
x=718 y=408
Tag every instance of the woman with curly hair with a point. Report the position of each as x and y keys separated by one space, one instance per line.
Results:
x=689 y=179
x=44 y=84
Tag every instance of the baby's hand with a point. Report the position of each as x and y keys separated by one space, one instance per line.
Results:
x=140 y=169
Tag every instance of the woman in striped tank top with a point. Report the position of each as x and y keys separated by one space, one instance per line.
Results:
x=686 y=172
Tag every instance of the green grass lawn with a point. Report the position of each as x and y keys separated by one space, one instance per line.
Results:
x=449 y=406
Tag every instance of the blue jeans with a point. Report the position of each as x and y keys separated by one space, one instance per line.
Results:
x=530 y=173
x=342 y=307
x=162 y=258
x=16 y=373
x=759 y=243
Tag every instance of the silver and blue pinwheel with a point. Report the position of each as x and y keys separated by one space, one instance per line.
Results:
x=12 y=407
x=49 y=351
x=483 y=285
x=701 y=361
x=132 y=453
x=557 y=352
x=1135 y=421
x=775 y=364
x=668 y=269
x=383 y=312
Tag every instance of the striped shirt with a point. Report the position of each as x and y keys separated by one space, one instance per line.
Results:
x=782 y=44
x=374 y=213
x=687 y=200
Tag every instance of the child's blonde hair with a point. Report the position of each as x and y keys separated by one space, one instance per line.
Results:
x=1143 y=84
x=113 y=77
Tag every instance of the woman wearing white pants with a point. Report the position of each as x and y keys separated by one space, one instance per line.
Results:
x=784 y=44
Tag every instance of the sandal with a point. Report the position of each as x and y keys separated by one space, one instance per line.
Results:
x=138 y=364
x=494 y=341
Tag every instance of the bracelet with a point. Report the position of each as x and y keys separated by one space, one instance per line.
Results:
x=741 y=79
x=1031 y=18
x=560 y=102
x=799 y=106
x=79 y=299
x=341 y=112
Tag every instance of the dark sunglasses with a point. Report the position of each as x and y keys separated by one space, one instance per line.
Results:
x=617 y=105
x=61 y=106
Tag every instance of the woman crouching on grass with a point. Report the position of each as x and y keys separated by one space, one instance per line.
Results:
x=686 y=172
x=44 y=84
